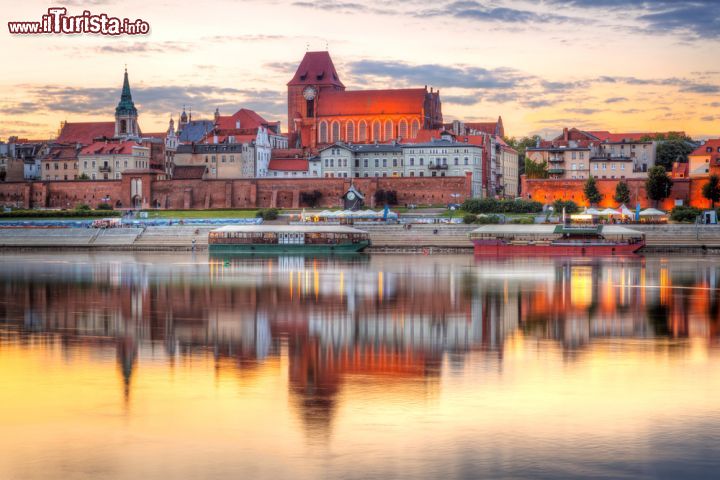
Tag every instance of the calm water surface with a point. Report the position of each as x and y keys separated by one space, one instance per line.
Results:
x=155 y=366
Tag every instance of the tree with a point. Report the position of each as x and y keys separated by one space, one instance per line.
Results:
x=591 y=191
x=658 y=184
x=711 y=190
x=671 y=151
x=622 y=192
x=521 y=145
x=84 y=176
x=535 y=169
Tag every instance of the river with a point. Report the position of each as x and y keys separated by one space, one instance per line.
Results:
x=162 y=366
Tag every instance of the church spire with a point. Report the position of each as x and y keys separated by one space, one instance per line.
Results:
x=126 y=105
x=125 y=113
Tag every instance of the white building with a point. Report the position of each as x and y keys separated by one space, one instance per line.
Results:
x=107 y=160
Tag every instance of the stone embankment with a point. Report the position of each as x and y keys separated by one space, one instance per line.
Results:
x=385 y=238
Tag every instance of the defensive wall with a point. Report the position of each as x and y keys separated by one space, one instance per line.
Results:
x=546 y=191
x=149 y=190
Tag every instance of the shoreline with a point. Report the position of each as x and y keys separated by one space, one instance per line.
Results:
x=376 y=250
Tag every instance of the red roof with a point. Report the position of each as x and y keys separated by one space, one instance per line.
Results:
x=372 y=102
x=289 y=164
x=485 y=127
x=281 y=153
x=85 y=132
x=248 y=120
x=680 y=170
x=712 y=144
x=316 y=68
x=62 y=152
x=492 y=128
x=188 y=172
x=109 y=148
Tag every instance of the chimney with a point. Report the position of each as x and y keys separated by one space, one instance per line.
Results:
x=566 y=135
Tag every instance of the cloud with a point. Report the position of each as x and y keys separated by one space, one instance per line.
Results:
x=710 y=118
x=341 y=7
x=582 y=111
x=476 y=11
x=136 y=48
x=616 y=100
x=693 y=19
x=148 y=99
x=471 y=99
x=630 y=111
x=437 y=75
x=700 y=88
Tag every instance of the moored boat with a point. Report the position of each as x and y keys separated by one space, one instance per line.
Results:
x=579 y=240
x=287 y=239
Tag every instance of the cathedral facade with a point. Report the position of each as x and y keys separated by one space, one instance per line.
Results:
x=321 y=111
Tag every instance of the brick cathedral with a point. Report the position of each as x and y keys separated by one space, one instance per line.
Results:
x=321 y=111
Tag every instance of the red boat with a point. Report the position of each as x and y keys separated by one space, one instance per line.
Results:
x=569 y=240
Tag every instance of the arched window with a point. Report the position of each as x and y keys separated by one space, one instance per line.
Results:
x=376 y=131
x=336 y=131
x=323 y=133
x=350 y=131
x=415 y=127
x=362 y=131
x=403 y=129
x=388 y=129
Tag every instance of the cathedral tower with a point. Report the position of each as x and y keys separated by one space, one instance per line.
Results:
x=315 y=74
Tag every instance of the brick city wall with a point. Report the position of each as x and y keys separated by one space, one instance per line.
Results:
x=547 y=191
x=241 y=193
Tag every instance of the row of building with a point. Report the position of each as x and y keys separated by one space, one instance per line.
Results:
x=332 y=132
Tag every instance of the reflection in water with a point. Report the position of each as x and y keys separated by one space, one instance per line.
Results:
x=379 y=358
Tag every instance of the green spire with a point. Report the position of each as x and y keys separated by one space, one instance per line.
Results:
x=126 y=105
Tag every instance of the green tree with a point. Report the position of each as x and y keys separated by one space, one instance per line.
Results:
x=658 y=184
x=84 y=176
x=622 y=192
x=671 y=151
x=535 y=169
x=711 y=190
x=521 y=145
x=591 y=191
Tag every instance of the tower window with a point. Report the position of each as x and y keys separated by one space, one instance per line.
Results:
x=310 y=108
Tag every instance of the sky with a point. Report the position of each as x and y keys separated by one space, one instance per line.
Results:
x=617 y=65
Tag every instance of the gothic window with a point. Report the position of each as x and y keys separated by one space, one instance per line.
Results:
x=376 y=131
x=336 y=131
x=403 y=129
x=350 y=131
x=323 y=134
x=414 y=128
x=310 y=108
x=388 y=129
x=362 y=131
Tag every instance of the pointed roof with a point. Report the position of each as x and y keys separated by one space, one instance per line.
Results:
x=126 y=105
x=249 y=120
x=316 y=68
x=85 y=132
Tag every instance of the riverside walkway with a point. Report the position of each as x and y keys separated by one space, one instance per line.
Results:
x=388 y=238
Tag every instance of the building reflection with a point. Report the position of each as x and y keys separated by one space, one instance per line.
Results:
x=343 y=320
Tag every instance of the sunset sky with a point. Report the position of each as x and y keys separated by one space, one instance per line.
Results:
x=619 y=65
